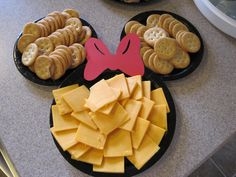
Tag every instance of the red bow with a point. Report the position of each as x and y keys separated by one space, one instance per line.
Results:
x=127 y=57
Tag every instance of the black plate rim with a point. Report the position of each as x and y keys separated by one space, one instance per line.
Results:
x=24 y=71
x=182 y=72
x=132 y=171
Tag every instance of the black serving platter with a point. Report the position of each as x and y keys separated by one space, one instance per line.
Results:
x=196 y=58
x=32 y=76
x=130 y=170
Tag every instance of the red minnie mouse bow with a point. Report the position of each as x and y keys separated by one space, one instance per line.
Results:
x=127 y=57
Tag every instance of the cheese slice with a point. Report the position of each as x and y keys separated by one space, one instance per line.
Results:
x=138 y=91
x=146 y=108
x=158 y=116
x=159 y=98
x=156 y=133
x=111 y=165
x=90 y=137
x=63 y=107
x=108 y=108
x=123 y=102
x=76 y=98
x=132 y=84
x=140 y=129
x=57 y=93
x=78 y=150
x=118 y=144
x=100 y=95
x=119 y=82
x=92 y=156
x=147 y=89
x=65 y=139
x=84 y=117
x=144 y=153
x=132 y=107
x=108 y=123
x=63 y=122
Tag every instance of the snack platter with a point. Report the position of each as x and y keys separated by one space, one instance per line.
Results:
x=195 y=58
x=112 y=114
x=130 y=169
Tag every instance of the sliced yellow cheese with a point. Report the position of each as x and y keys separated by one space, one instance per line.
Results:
x=108 y=123
x=84 y=117
x=78 y=150
x=140 y=129
x=123 y=102
x=118 y=144
x=63 y=122
x=158 y=116
x=65 y=138
x=100 y=95
x=132 y=107
x=92 y=156
x=76 y=98
x=156 y=133
x=57 y=93
x=119 y=82
x=147 y=106
x=90 y=137
x=111 y=165
x=108 y=108
x=63 y=107
x=159 y=98
x=147 y=89
x=138 y=91
x=132 y=84
x=144 y=153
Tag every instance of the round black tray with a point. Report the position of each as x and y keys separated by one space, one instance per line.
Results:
x=24 y=70
x=196 y=58
x=130 y=170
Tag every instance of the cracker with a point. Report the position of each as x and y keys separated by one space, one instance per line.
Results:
x=165 y=48
x=162 y=66
x=153 y=34
x=72 y=12
x=24 y=41
x=171 y=25
x=60 y=36
x=71 y=36
x=178 y=27
x=82 y=34
x=75 y=33
x=162 y=18
x=74 y=22
x=88 y=34
x=32 y=28
x=65 y=36
x=128 y=26
x=150 y=61
x=82 y=51
x=143 y=50
x=181 y=59
x=45 y=45
x=146 y=56
x=76 y=57
x=43 y=30
x=65 y=15
x=30 y=54
x=61 y=59
x=31 y=68
x=56 y=16
x=55 y=40
x=46 y=25
x=59 y=70
x=190 y=42
x=166 y=23
x=134 y=28
x=141 y=30
x=50 y=20
x=152 y=20
x=44 y=67
x=67 y=52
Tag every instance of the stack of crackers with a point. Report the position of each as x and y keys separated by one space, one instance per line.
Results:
x=165 y=42
x=54 y=44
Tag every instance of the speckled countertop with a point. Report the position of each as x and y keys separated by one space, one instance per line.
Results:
x=205 y=100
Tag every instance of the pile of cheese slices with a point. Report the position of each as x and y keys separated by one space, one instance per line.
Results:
x=115 y=119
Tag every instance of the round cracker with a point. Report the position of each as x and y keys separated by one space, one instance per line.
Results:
x=72 y=12
x=135 y=27
x=43 y=67
x=46 y=25
x=71 y=36
x=74 y=22
x=150 y=61
x=178 y=27
x=32 y=28
x=143 y=50
x=55 y=40
x=162 y=66
x=88 y=34
x=152 y=20
x=166 y=23
x=165 y=48
x=76 y=57
x=153 y=34
x=29 y=55
x=181 y=59
x=82 y=50
x=24 y=41
x=162 y=18
x=45 y=45
x=59 y=70
x=141 y=30
x=128 y=26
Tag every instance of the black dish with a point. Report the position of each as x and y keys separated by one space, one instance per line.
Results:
x=196 y=58
x=32 y=76
x=130 y=170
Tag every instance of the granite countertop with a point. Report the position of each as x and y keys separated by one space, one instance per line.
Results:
x=205 y=100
